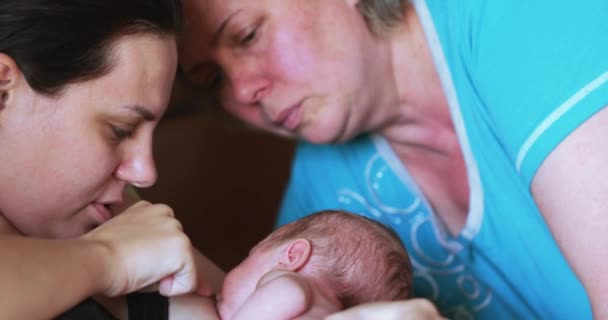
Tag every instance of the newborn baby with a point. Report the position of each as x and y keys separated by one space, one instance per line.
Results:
x=316 y=266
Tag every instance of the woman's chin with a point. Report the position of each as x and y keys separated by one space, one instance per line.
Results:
x=325 y=137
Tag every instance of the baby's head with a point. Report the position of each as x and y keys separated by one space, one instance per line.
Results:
x=360 y=258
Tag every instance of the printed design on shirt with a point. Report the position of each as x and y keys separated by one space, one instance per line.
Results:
x=439 y=273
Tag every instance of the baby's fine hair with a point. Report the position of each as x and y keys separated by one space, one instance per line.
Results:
x=362 y=259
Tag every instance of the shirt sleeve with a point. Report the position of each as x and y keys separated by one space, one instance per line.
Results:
x=541 y=69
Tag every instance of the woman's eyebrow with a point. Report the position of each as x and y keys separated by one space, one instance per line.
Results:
x=142 y=112
x=217 y=35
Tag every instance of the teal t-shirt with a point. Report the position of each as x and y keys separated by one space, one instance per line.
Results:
x=519 y=77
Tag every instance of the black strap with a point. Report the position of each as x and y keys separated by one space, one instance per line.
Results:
x=147 y=306
x=89 y=310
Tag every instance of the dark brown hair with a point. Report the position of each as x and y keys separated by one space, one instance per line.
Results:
x=56 y=43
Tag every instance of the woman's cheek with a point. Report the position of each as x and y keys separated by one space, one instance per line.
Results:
x=295 y=63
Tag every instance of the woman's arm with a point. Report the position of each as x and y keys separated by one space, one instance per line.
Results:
x=39 y=278
x=571 y=190
x=210 y=278
x=194 y=305
x=199 y=306
x=414 y=309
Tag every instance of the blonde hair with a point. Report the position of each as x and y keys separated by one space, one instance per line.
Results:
x=383 y=15
x=360 y=258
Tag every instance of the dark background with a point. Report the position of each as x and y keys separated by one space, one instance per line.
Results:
x=224 y=181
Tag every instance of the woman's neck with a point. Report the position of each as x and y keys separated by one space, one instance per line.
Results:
x=423 y=118
x=423 y=134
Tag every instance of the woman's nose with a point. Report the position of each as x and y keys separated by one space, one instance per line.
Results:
x=138 y=168
x=250 y=90
x=247 y=81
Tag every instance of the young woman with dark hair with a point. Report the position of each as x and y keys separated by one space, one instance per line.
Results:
x=83 y=84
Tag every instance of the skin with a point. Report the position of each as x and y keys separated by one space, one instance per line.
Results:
x=269 y=273
x=282 y=294
x=320 y=57
x=66 y=161
x=262 y=82
x=412 y=309
x=241 y=281
x=280 y=273
x=84 y=146
x=563 y=171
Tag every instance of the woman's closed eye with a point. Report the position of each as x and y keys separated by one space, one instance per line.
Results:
x=121 y=133
x=248 y=36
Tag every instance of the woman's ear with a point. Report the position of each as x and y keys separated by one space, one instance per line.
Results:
x=296 y=254
x=9 y=73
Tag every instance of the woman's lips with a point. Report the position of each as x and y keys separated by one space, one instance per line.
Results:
x=290 y=117
x=103 y=212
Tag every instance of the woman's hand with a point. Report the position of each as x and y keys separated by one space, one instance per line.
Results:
x=419 y=309
x=142 y=246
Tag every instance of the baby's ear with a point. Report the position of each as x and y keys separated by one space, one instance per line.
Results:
x=296 y=255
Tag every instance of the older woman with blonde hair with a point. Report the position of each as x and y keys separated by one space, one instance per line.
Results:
x=473 y=128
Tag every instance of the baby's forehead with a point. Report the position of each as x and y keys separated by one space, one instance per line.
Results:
x=266 y=244
x=260 y=246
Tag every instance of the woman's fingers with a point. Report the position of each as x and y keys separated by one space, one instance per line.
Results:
x=145 y=245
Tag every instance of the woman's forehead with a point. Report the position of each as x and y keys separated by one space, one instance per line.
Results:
x=214 y=9
x=203 y=19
